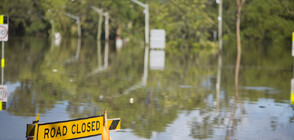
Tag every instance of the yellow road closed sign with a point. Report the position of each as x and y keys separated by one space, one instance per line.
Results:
x=71 y=129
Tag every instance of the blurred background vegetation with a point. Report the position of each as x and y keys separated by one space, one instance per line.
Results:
x=189 y=24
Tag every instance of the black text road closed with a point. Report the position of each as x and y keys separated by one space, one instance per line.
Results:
x=71 y=129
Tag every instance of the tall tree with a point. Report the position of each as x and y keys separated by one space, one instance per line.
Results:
x=239 y=8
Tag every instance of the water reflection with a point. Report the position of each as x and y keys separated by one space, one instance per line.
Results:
x=3 y=97
x=101 y=68
x=3 y=105
x=3 y=88
x=78 y=50
x=143 y=82
x=99 y=55
x=292 y=85
x=157 y=59
x=218 y=81
x=106 y=53
x=195 y=92
x=292 y=91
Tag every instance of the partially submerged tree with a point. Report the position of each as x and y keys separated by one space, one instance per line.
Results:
x=238 y=22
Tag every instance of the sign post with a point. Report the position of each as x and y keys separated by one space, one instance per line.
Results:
x=3 y=37
x=292 y=80
x=2 y=64
x=146 y=12
x=293 y=44
x=3 y=97
x=292 y=91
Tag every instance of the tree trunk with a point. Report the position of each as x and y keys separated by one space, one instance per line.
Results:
x=238 y=22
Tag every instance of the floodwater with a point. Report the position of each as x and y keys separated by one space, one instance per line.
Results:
x=178 y=96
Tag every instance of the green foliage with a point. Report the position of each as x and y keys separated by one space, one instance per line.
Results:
x=186 y=22
x=268 y=21
x=262 y=21
x=25 y=17
x=122 y=18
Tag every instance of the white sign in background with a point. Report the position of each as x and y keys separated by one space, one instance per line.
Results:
x=157 y=39
x=3 y=32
